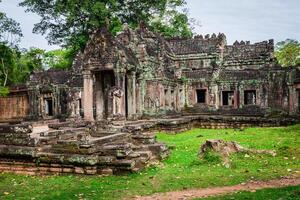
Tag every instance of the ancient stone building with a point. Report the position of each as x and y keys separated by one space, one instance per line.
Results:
x=100 y=116
x=140 y=74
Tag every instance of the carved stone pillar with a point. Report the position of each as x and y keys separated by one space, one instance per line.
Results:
x=131 y=95
x=99 y=97
x=88 y=96
x=120 y=83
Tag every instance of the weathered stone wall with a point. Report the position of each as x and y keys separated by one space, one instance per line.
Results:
x=14 y=107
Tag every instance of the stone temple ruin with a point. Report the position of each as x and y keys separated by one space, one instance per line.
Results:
x=100 y=116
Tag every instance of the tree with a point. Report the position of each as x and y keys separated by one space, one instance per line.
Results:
x=8 y=59
x=32 y=59
x=70 y=22
x=10 y=30
x=288 y=53
x=58 y=59
x=10 y=34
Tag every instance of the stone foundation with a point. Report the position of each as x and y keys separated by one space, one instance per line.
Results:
x=104 y=147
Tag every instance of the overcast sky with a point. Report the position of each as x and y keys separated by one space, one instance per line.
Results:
x=254 y=20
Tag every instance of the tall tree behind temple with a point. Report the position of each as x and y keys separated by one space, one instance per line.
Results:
x=69 y=22
x=10 y=34
x=288 y=53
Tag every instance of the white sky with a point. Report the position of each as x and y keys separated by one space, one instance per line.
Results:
x=254 y=20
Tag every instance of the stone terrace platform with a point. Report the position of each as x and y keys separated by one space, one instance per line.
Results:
x=102 y=147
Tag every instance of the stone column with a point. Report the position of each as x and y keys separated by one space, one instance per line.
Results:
x=120 y=82
x=131 y=95
x=88 y=96
x=99 y=97
x=34 y=103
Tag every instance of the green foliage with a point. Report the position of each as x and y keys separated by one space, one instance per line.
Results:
x=212 y=157
x=288 y=53
x=4 y=91
x=32 y=59
x=10 y=31
x=58 y=59
x=182 y=170
x=70 y=22
x=16 y=65
x=8 y=58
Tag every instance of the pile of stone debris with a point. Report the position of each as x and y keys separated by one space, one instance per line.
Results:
x=77 y=147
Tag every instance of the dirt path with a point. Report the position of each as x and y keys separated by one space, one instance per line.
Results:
x=198 y=193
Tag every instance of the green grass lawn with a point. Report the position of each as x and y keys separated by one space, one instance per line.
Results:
x=287 y=193
x=180 y=171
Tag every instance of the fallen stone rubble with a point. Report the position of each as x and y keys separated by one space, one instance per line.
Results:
x=76 y=148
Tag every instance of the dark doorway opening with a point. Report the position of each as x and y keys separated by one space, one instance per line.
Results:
x=249 y=97
x=80 y=107
x=49 y=107
x=108 y=81
x=201 y=96
x=228 y=98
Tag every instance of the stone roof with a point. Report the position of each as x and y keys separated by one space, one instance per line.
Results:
x=244 y=53
x=198 y=44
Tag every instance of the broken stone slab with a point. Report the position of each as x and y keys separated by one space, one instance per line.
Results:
x=124 y=164
x=226 y=148
x=110 y=138
x=27 y=141
x=19 y=151
x=73 y=124
x=16 y=128
x=117 y=150
x=75 y=159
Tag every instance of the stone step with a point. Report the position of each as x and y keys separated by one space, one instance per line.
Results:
x=110 y=138
x=117 y=150
x=19 y=151
x=60 y=132
x=76 y=159
x=101 y=133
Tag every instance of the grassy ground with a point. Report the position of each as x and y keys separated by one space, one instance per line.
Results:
x=287 y=193
x=180 y=171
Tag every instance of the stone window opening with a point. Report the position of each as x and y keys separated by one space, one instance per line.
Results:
x=201 y=95
x=166 y=97
x=49 y=107
x=228 y=98
x=249 y=97
x=172 y=99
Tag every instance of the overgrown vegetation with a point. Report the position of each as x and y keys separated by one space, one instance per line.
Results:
x=288 y=53
x=69 y=23
x=180 y=171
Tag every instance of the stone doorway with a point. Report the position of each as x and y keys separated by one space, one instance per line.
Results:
x=228 y=98
x=105 y=81
x=201 y=96
x=49 y=107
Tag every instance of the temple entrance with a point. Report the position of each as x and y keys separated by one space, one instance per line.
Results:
x=105 y=80
x=201 y=95
x=48 y=107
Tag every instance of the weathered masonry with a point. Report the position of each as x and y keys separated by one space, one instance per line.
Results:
x=100 y=116
x=139 y=73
